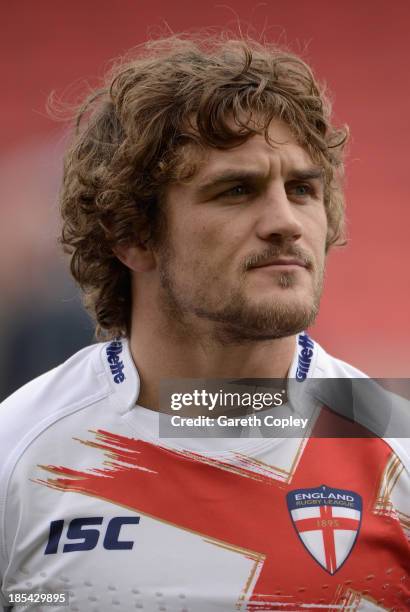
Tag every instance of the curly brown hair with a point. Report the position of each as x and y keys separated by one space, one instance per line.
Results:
x=132 y=137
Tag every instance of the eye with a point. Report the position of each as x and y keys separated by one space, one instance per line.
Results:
x=236 y=191
x=301 y=190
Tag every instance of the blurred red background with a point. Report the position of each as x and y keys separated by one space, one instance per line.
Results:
x=362 y=51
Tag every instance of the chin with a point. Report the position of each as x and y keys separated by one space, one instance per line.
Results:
x=291 y=298
x=275 y=318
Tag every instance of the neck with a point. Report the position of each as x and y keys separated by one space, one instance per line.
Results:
x=168 y=351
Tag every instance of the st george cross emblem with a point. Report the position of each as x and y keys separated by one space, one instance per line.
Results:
x=327 y=522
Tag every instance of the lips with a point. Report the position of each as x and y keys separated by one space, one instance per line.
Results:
x=294 y=257
x=285 y=261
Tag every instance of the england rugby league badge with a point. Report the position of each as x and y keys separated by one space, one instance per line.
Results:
x=327 y=522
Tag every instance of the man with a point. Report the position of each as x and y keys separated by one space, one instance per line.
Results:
x=201 y=194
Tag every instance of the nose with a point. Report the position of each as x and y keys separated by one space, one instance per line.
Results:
x=277 y=216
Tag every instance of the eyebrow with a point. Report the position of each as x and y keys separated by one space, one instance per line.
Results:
x=231 y=176
x=315 y=172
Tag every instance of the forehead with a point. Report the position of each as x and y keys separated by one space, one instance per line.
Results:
x=281 y=154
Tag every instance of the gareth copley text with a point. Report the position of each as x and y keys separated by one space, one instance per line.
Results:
x=251 y=420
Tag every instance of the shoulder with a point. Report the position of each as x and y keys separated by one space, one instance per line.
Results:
x=378 y=408
x=74 y=384
x=64 y=385
x=100 y=371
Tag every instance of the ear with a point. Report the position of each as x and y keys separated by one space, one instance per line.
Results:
x=138 y=258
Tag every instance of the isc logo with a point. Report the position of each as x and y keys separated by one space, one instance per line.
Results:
x=86 y=535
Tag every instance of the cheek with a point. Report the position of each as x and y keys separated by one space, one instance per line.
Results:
x=204 y=238
x=209 y=240
x=196 y=249
x=316 y=231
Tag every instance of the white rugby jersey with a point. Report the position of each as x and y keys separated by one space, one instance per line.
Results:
x=95 y=505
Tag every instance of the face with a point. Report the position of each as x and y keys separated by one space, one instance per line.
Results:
x=244 y=249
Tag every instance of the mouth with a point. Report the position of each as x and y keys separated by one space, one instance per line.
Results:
x=282 y=264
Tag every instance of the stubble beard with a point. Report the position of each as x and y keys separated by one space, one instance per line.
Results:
x=236 y=319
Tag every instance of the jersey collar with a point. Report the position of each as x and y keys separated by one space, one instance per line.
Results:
x=124 y=381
